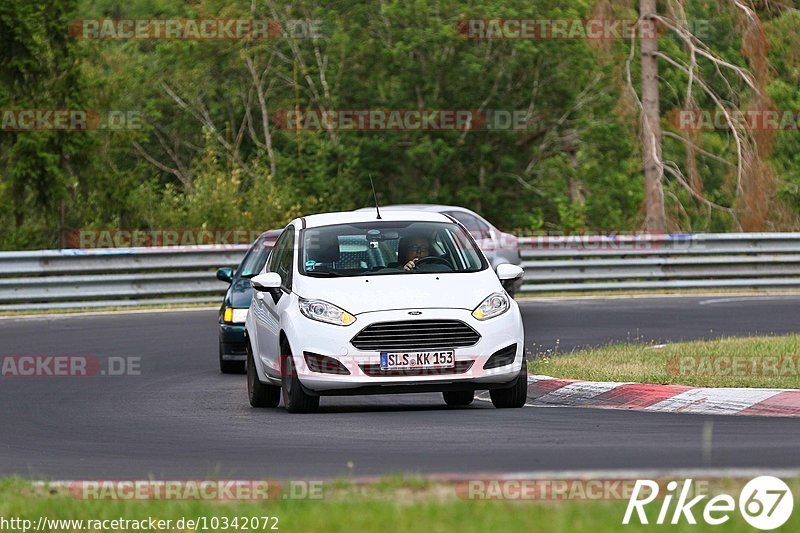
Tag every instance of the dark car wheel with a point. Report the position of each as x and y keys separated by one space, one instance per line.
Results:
x=295 y=398
x=231 y=367
x=513 y=396
x=458 y=397
x=259 y=394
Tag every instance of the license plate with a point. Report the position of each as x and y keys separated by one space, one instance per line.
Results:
x=405 y=360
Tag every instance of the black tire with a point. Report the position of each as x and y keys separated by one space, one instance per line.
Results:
x=295 y=398
x=513 y=396
x=460 y=397
x=259 y=394
x=231 y=367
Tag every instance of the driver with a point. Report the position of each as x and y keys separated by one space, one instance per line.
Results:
x=411 y=249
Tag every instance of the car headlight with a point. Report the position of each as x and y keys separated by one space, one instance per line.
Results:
x=234 y=316
x=325 y=312
x=494 y=305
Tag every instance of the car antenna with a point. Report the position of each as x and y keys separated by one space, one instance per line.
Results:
x=377 y=209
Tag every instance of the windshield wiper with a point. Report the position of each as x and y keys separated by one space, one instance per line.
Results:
x=322 y=274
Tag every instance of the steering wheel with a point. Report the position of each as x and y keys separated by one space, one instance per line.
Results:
x=432 y=260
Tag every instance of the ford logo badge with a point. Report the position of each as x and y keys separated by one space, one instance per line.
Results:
x=415 y=313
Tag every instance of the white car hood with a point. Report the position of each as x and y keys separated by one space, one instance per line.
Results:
x=363 y=294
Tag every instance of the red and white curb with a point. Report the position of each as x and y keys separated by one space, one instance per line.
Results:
x=548 y=391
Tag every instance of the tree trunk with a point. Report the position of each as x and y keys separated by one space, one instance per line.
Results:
x=575 y=186
x=655 y=219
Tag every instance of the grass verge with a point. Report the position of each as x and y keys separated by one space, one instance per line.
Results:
x=387 y=506
x=771 y=362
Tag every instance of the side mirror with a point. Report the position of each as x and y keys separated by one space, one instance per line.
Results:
x=225 y=274
x=508 y=271
x=267 y=281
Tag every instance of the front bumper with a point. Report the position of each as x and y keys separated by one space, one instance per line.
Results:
x=232 y=344
x=364 y=366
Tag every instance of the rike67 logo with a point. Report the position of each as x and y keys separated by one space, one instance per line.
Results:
x=765 y=503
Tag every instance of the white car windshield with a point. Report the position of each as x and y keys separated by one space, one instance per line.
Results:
x=379 y=248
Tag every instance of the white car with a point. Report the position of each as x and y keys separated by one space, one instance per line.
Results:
x=349 y=303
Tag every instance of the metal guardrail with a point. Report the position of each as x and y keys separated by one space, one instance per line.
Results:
x=647 y=262
x=51 y=279
x=177 y=275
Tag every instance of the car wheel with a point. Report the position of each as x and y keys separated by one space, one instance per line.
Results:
x=295 y=398
x=259 y=394
x=231 y=367
x=461 y=397
x=513 y=396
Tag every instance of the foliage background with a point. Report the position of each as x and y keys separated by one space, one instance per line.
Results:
x=577 y=167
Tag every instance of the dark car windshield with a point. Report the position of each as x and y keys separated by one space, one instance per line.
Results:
x=370 y=248
x=256 y=258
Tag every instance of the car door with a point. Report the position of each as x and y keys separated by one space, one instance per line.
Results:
x=269 y=305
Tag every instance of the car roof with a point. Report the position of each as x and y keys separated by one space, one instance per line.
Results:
x=368 y=215
x=436 y=208
x=270 y=236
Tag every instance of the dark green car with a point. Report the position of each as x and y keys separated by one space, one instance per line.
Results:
x=232 y=314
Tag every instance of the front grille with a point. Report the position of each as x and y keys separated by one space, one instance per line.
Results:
x=415 y=335
x=375 y=370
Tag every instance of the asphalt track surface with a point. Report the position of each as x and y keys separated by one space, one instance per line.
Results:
x=181 y=419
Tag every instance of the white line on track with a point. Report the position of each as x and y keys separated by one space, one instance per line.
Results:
x=637 y=473
x=655 y=473
x=737 y=299
x=55 y=316
x=712 y=296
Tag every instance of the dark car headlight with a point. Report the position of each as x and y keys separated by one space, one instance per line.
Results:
x=234 y=316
